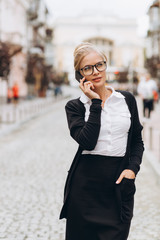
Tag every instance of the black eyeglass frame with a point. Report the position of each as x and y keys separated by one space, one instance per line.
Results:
x=93 y=68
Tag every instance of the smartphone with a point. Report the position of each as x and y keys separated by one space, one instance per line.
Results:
x=78 y=76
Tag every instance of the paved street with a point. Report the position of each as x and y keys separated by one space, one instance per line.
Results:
x=34 y=160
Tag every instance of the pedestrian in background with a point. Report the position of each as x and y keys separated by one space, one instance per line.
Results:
x=148 y=91
x=100 y=187
x=15 y=90
x=9 y=95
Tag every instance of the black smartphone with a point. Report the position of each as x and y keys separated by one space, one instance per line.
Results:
x=78 y=76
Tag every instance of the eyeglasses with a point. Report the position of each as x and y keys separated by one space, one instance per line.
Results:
x=89 y=69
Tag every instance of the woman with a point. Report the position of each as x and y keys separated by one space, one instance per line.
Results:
x=99 y=191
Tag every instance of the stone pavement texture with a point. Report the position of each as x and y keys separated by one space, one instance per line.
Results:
x=13 y=115
x=34 y=159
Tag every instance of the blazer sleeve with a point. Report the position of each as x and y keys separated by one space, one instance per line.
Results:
x=136 y=144
x=84 y=133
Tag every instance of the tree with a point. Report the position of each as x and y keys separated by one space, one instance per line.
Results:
x=4 y=60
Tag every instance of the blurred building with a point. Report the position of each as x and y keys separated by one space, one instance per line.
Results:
x=153 y=40
x=116 y=37
x=24 y=38
x=40 y=48
x=13 y=43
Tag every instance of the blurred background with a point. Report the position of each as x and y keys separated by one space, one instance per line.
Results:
x=37 y=40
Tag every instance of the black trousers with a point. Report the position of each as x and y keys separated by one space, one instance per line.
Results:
x=148 y=105
x=93 y=212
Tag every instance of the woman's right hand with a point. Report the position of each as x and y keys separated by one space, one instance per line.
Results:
x=88 y=87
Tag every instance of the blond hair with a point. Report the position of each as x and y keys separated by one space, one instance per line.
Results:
x=83 y=50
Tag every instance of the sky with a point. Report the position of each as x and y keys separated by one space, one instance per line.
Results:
x=122 y=8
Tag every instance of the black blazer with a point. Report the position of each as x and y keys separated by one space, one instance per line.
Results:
x=86 y=135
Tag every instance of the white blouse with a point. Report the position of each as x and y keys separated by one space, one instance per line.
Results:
x=115 y=124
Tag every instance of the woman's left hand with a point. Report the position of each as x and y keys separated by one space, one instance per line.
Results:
x=127 y=173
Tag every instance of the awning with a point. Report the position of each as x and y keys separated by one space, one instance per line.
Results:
x=12 y=48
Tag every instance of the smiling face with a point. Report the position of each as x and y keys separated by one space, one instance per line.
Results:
x=97 y=78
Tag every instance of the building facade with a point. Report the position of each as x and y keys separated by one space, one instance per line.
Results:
x=23 y=37
x=116 y=37
x=39 y=48
x=153 y=40
x=13 y=28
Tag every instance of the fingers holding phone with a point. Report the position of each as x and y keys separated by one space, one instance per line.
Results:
x=88 y=88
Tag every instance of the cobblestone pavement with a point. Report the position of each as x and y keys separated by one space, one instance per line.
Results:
x=146 y=221
x=34 y=160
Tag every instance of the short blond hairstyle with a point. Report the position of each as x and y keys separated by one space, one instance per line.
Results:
x=83 y=50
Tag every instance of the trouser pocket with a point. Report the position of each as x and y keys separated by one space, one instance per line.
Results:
x=128 y=190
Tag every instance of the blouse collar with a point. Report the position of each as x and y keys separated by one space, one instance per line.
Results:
x=84 y=99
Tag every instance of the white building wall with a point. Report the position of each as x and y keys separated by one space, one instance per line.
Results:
x=13 y=22
x=152 y=43
x=41 y=12
x=68 y=32
x=16 y=28
x=13 y=29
